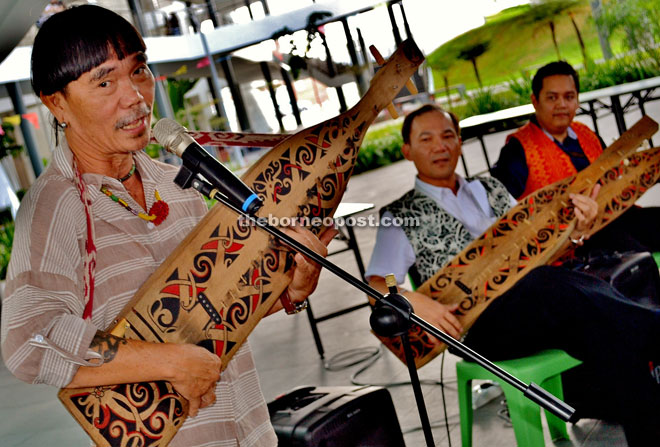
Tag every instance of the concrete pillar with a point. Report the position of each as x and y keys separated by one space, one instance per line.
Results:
x=217 y=101
x=265 y=69
x=405 y=21
x=213 y=13
x=162 y=98
x=192 y=18
x=230 y=77
x=359 y=77
x=342 y=99
x=138 y=16
x=264 y=3
x=247 y=5
x=328 y=57
x=213 y=81
x=365 y=52
x=16 y=95
x=292 y=95
x=332 y=72
x=215 y=90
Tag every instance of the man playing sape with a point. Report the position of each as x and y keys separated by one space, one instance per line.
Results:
x=550 y=307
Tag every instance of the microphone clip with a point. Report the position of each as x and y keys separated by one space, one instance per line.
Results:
x=184 y=178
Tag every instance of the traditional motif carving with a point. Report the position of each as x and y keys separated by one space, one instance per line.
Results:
x=225 y=276
x=534 y=233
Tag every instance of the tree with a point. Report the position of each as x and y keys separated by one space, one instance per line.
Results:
x=471 y=53
x=443 y=66
x=638 y=19
x=583 y=48
x=603 y=33
x=548 y=12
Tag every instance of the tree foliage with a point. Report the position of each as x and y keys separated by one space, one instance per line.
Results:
x=8 y=144
x=471 y=53
x=639 y=20
x=548 y=12
x=520 y=39
x=176 y=89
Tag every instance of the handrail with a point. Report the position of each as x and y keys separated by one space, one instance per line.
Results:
x=590 y=103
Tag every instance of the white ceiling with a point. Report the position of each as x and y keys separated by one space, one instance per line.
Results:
x=17 y=17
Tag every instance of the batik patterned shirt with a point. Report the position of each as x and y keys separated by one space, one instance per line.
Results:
x=437 y=225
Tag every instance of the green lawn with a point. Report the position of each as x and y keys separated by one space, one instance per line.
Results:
x=516 y=45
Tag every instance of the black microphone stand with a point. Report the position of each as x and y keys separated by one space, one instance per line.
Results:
x=392 y=319
x=394 y=314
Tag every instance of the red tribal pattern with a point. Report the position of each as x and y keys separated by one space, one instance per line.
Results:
x=534 y=231
x=225 y=276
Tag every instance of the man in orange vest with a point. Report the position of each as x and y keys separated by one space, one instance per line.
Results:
x=551 y=307
x=552 y=146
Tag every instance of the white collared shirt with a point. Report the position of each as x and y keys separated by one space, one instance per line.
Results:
x=393 y=252
x=570 y=131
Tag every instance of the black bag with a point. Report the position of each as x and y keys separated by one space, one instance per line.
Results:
x=336 y=417
x=634 y=274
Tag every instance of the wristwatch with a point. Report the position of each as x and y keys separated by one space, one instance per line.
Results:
x=289 y=306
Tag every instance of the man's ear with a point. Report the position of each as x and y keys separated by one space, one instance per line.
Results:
x=405 y=150
x=55 y=104
x=535 y=102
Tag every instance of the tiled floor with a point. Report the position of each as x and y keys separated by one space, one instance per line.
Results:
x=286 y=355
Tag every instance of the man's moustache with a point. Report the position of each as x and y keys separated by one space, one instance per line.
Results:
x=138 y=113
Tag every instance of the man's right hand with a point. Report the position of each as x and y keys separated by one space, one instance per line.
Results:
x=436 y=313
x=586 y=211
x=426 y=308
x=195 y=374
x=192 y=370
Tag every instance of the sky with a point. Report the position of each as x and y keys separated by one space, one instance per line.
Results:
x=433 y=22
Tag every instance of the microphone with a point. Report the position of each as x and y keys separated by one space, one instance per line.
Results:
x=175 y=139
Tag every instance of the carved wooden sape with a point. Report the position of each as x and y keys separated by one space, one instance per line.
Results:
x=225 y=276
x=535 y=232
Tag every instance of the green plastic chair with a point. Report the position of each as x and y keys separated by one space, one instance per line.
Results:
x=544 y=369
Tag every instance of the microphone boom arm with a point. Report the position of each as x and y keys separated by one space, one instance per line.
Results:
x=532 y=391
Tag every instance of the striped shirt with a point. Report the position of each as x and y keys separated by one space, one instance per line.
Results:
x=44 y=290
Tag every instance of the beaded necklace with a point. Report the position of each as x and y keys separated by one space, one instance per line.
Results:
x=129 y=175
x=157 y=214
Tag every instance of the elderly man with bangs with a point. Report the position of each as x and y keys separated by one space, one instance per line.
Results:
x=80 y=254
